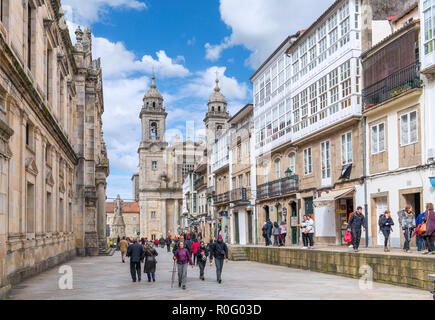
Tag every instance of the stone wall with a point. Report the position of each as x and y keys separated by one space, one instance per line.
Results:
x=390 y=269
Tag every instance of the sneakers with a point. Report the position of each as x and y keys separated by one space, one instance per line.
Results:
x=220 y=281
x=184 y=287
x=139 y=279
x=154 y=280
x=304 y=247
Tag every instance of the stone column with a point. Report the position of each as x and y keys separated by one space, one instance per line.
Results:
x=163 y=218
x=176 y=209
x=101 y=213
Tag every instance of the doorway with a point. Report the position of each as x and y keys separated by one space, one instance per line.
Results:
x=266 y=211
x=250 y=240
x=236 y=227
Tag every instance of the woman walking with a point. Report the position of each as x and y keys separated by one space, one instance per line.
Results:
x=150 y=261
x=182 y=256
x=209 y=247
x=310 y=228
x=201 y=258
x=275 y=233
x=386 y=223
x=194 y=247
x=283 y=230
x=303 y=227
x=429 y=218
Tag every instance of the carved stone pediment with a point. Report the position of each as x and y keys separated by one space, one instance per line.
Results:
x=31 y=166
x=49 y=179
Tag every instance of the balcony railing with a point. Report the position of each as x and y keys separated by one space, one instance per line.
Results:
x=241 y=194
x=223 y=197
x=210 y=191
x=393 y=85
x=278 y=187
x=199 y=182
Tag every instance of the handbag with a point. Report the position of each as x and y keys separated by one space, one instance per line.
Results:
x=422 y=228
x=348 y=237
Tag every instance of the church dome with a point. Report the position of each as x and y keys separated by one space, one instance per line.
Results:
x=153 y=93
x=217 y=96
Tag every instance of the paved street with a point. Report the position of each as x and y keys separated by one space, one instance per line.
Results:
x=107 y=278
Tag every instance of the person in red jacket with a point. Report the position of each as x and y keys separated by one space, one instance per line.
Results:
x=194 y=247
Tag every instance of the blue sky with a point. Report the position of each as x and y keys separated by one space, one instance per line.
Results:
x=185 y=43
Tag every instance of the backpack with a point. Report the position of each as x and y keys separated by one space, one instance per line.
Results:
x=380 y=221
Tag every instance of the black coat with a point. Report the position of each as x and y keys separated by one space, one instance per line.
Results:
x=150 y=261
x=357 y=221
x=199 y=253
x=219 y=250
x=136 y=252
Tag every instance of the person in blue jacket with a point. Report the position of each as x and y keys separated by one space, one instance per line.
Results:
x=386 y=223
x=421 y=242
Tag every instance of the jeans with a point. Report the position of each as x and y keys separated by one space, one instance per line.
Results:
x=305 y=239
x=386 y=234
x=421 y=243
x=276 y=239
x=311 y=238
x=219 y=266
x=356 y=237
x=135 y=268
x=408 y=233
x=283 y=235
x=429 y=242
x=151 y=274
x=182 y=273
x=268 y=242
x=169 y=248
x=201 y=265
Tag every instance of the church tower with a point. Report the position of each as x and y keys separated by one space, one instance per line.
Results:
x=153 y=167
x=216 y=119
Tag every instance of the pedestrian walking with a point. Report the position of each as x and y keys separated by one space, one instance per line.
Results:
x=283 y=230
x=168 y=242
x=201 y=258
x=276 y=233
x=136 y=254
x=150 y=262
x=194 y=248
x=182 y=256
x=429 y=234
x=180 y=239
x=356 y=222
x=162 y=242
x=385 y=227
x=209 y=248
x=118 y=240
x=123 y=246
x=267 y=231
x=219 y=251
x=407 y=223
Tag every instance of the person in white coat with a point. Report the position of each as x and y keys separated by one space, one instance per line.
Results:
x=310 y=230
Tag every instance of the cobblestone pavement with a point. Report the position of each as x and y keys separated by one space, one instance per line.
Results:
x=107 y=278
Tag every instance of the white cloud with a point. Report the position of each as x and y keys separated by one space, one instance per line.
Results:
x=261 y=25
x=86 y=12
x=191 y=42
x=117 y=61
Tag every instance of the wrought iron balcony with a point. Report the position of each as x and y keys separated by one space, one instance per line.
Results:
x=393 y=85
x=241 y=194
x=210 y=191
x=278 y=187
x=199 y=182
x=222 y=198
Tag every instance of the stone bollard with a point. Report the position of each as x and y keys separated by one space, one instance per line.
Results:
x=432 y=278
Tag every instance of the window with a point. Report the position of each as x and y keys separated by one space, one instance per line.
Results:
x=134 y=218
x=153 y=214
x=292 y=162
x=346 y=148
x=29 y=36
x=278 y=169
x=153 y=131
x=326 y=160
x=429 y=26
x=378 y=138
x=266 y=173
x=307 y=161
x=241 y=181
x=248 y=179
x=154 y=164
x=408 y=128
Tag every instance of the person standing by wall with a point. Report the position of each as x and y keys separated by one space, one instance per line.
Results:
x=429 y=219
x=219 y=251
x=421 y=241
x=407 y=223
x=283 y=230
x=136 y=254
x=123 y=246
x=310 y=230
x=386 y=223
x=276 y=233
x=201 y=257
x=182 y=256
x=356 y=222
x=303 y=226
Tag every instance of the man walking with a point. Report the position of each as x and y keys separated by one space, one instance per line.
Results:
x=407 y=223
x=268 y=231
x=357 y=220
x=168 y=243
x=123 y=245
x=136 y=254
x=219 y=251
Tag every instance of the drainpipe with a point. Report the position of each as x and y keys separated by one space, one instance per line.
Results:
x=365 y=178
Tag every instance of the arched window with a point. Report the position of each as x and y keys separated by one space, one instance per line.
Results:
x=212 y=109
x=278 y=168
x=266 y=173
x=154 y=105
x=219 y=109
x=153 y=131
x=292 y=164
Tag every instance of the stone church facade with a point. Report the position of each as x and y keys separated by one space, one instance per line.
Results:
x=162 y=168
x=53 y=160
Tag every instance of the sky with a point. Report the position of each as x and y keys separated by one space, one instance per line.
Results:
x=185 y=44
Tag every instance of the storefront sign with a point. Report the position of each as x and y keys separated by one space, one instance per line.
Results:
x=224 y=213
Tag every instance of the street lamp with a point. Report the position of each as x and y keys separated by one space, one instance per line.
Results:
x=288 y=173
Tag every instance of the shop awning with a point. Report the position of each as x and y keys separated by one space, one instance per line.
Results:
x=334 y=195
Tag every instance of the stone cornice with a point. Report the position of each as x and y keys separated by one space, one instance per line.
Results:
x=12 y=67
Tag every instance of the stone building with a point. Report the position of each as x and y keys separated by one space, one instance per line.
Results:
x=162 y=168
x=129 y=211
x=53 y=160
